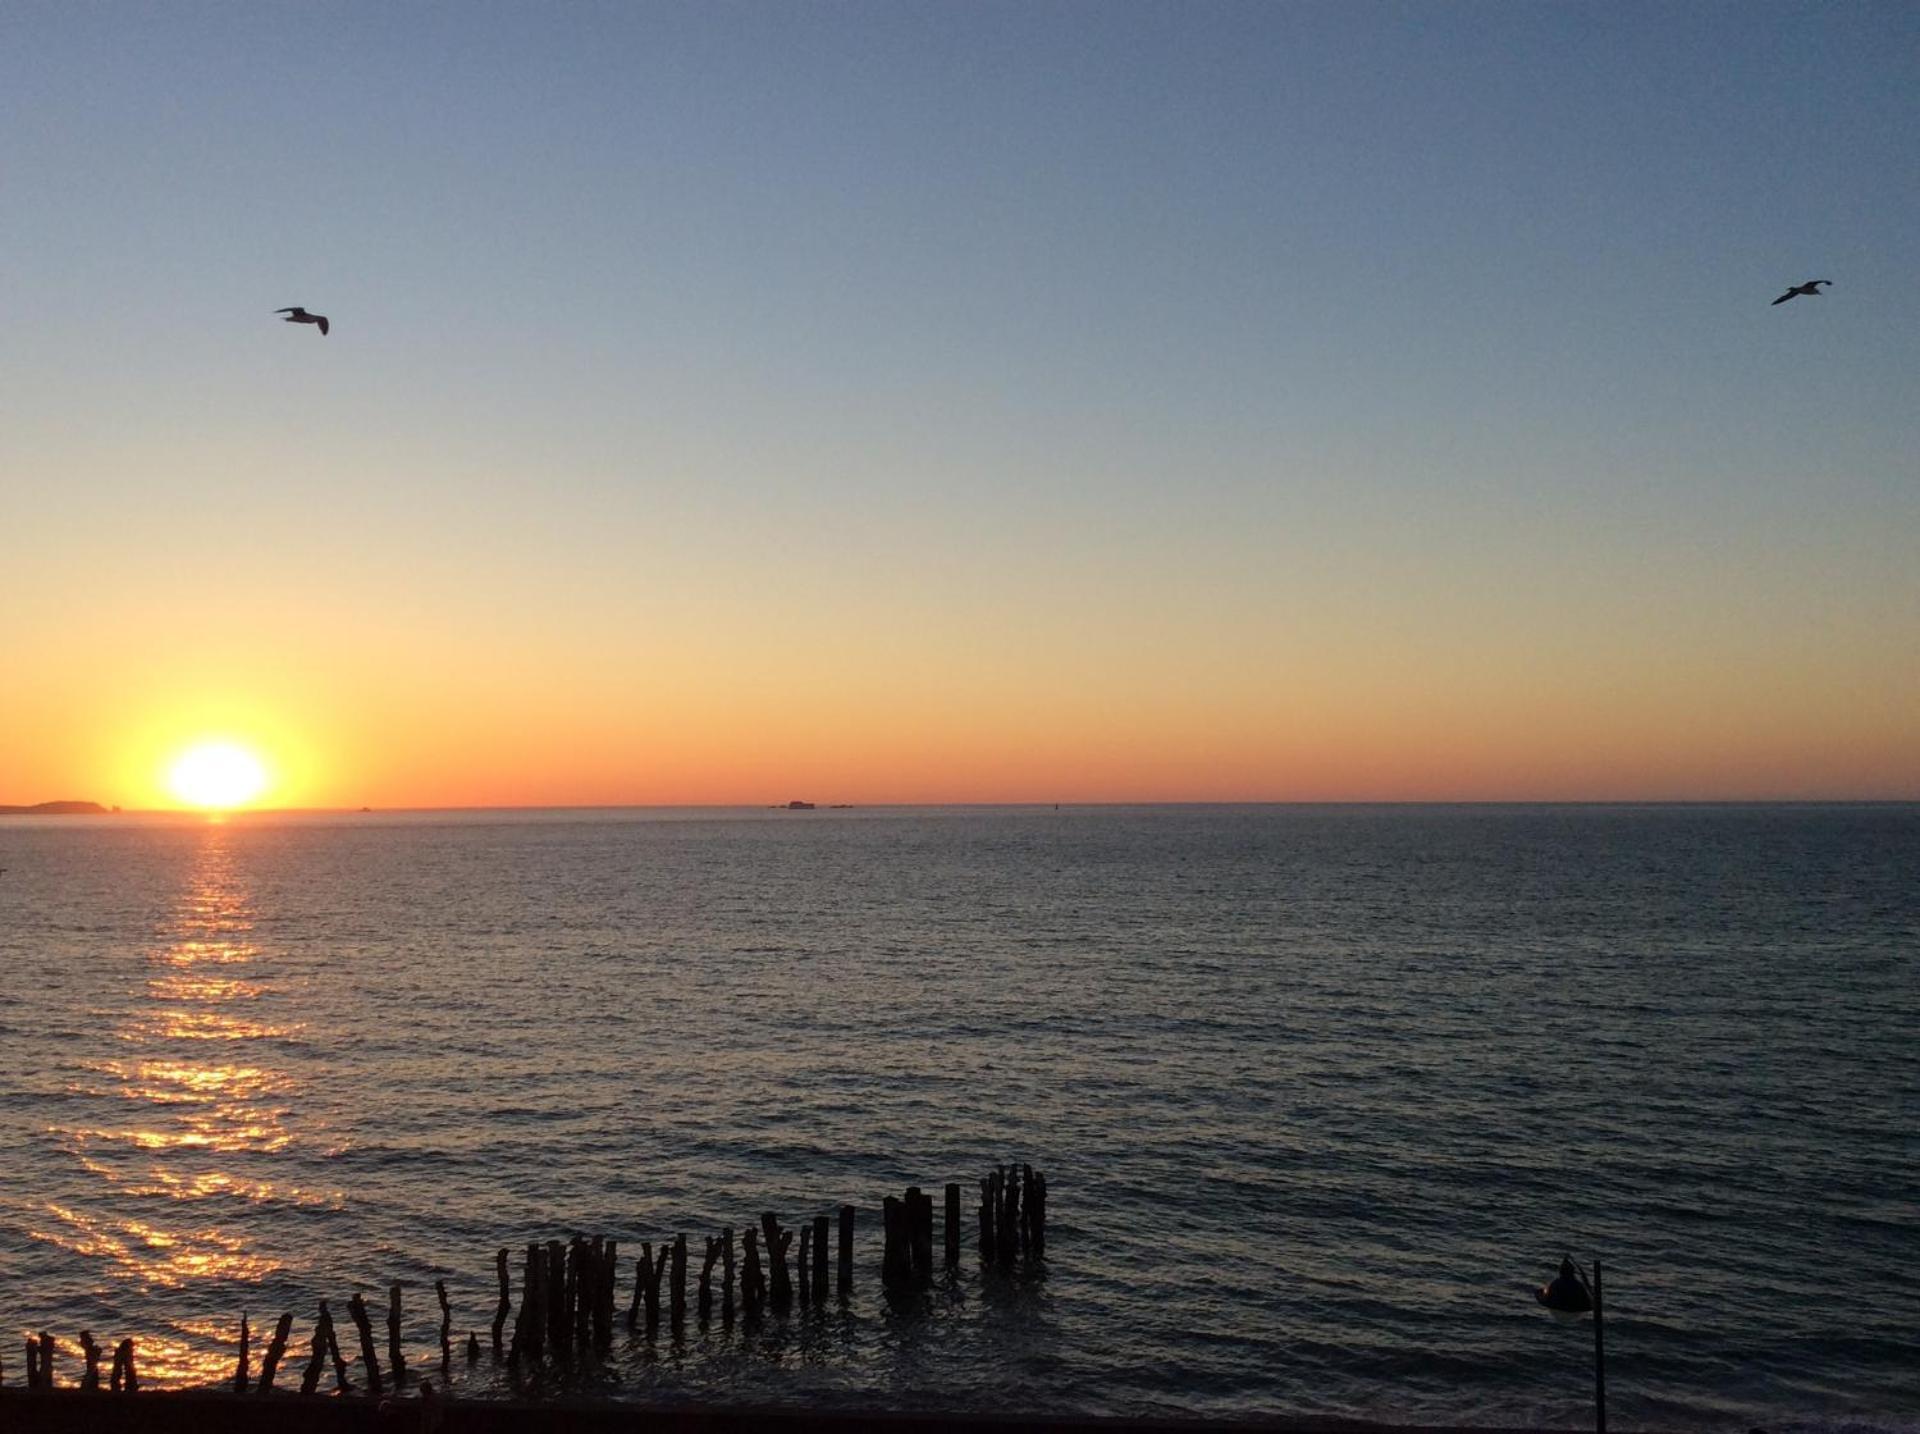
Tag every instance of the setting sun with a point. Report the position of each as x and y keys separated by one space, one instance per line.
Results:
x=217 y=775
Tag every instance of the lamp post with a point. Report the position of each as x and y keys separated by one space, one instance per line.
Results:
x=1568 y=1296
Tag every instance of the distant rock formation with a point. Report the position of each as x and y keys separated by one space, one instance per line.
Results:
x=56 y=809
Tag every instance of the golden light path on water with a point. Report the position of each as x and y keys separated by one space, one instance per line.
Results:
x=193 y=1090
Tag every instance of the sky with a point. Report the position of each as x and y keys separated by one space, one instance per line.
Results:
x=961 y=402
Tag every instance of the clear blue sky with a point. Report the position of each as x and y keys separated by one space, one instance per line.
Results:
x=1440 y=324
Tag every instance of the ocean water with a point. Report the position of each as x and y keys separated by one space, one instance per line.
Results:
x=1320 y=1093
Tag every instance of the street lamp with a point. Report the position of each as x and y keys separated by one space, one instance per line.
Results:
x=1568 y=1296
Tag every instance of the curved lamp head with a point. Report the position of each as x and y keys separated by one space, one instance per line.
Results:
x=1567 y=1294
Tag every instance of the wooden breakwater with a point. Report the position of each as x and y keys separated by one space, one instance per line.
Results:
x=570 y=1291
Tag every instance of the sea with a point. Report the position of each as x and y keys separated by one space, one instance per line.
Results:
x=1322 y=1095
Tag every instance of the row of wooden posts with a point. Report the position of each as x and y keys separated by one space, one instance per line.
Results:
x=567 y=1289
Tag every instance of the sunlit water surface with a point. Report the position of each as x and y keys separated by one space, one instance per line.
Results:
x=1320 y=1093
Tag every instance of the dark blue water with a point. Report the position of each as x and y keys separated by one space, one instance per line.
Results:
x=1321 y=1093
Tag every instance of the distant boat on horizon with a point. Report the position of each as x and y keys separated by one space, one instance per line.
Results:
x=798 y=806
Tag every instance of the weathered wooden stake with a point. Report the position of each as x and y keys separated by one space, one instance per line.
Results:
x=394 y=1357
x=753 y=1286
x=607 y=1277
x=243 y=1372
x=820 y=1259
x=505 y=1307
x=446 y=1327
x=989 y=1204
x=340 y=1379
x=276 y=1347
x=317 y=1361
x=529 y=1331
x=46 y=1360
x=559 y=1320
x=357 y=1312
x=124 y=1379
x=706 y=1277
x=679 y=1280
x=90 y=1380
x=780 y=1285
x=33 y=1363
x=953 y=1225
x=920 y=1233
x=726 y=1270
x=846 y=1251
x=890 y=1272
x=804 y=1265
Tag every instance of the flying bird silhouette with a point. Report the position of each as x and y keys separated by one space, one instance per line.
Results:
x=1811 y=289
x=301 y=316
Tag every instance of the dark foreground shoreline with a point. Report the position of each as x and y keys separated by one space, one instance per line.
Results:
x=200 y=1412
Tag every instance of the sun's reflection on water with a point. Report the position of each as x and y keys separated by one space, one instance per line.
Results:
x=182 y=1122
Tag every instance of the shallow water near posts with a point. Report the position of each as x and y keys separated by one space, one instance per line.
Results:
x=1321 y=1094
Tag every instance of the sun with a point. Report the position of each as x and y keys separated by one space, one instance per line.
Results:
x=217 y=775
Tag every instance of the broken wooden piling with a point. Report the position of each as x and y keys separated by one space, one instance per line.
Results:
x=90 y=1378
x=679 y=1280
x=780 y=1284
x=357 y=1312
x=446 y=1327
x=505 y=1307
x=394 y=1358
x=276 y=1348
x=953 y=1225
x=243 y=1370
x=846 y=1251
x=820 y=1259
x=122 y=1379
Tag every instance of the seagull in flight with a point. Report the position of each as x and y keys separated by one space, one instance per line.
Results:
x=301 y=316
x=1811 y=289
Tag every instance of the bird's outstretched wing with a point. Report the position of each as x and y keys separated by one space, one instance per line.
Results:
x=1784 y=297
x=287 y=311
x=321 y=319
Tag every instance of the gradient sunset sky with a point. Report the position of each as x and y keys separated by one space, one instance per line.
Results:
x=961 y=402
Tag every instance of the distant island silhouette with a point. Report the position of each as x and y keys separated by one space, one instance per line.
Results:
x=57 y=809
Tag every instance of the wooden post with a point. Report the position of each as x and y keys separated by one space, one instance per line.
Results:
x=243 y=1370
x=125 y=1380
x=1007 y=1241
x=446 y=1327
x=1037 y=1215
x=846 y=1251
x=46 y=1360
x=583 y=1263
x=953 y=1225
x=804 y=1264
x=530 y=1327
x=33 y=1364
x=652 y=1267
x=357 y=1312
x=780 y=1285
x=920 y=1233
x=340 y=1379
x=890 y=1262
x=819 y=1259
x=679 y=1280
x=753 y=1286
x=473 y=1346
x=90 y=1380
x=276 y=1347
x=316 y=1362
x=605 y=1279
x=988 y=1206
x=559 y=1326
x=394 y=1357
x=706 y=1277
x=505 y=1307
x=726 y=1271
